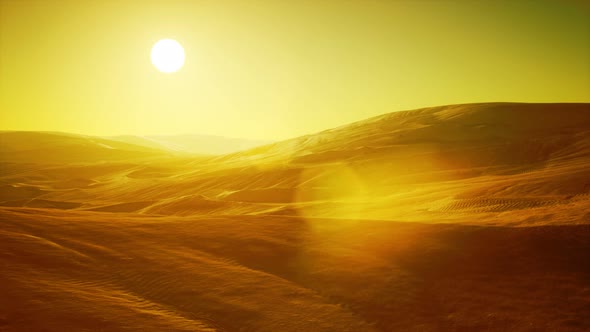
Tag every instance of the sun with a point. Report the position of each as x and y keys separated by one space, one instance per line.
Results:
x=167 y=55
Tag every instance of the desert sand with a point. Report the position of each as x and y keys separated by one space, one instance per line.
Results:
x=470 y=217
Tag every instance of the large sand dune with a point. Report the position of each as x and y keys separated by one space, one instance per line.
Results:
x=455 y=218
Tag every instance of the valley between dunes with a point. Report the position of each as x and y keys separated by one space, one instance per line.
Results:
x=468 y=217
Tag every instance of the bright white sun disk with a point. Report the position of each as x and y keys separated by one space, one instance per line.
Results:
x=167 y=55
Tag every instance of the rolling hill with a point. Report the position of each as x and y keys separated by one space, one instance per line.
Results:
x=54 y=147
x=196 y=144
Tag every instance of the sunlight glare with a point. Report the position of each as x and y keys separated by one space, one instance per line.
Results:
x=167 y=55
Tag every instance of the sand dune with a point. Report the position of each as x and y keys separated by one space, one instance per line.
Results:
x=426 y=165
x=454 y=218
x=272 y=273
x=51 y=147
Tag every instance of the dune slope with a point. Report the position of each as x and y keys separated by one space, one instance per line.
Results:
x=93 y=271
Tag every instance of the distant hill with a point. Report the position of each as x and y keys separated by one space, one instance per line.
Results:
x=55 y=147
x=199 y=144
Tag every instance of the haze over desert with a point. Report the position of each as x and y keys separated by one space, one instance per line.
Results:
x=294 y=166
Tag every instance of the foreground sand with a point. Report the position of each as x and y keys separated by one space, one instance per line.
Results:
x=71 y=271
x=459 y=218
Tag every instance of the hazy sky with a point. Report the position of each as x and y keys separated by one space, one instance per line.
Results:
x=278 y=69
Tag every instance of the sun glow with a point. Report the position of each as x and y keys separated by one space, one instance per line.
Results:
x=167 y=55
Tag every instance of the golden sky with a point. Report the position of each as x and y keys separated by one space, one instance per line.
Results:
x=278 y=69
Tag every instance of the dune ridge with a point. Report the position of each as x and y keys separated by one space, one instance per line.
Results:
x=417 y=165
